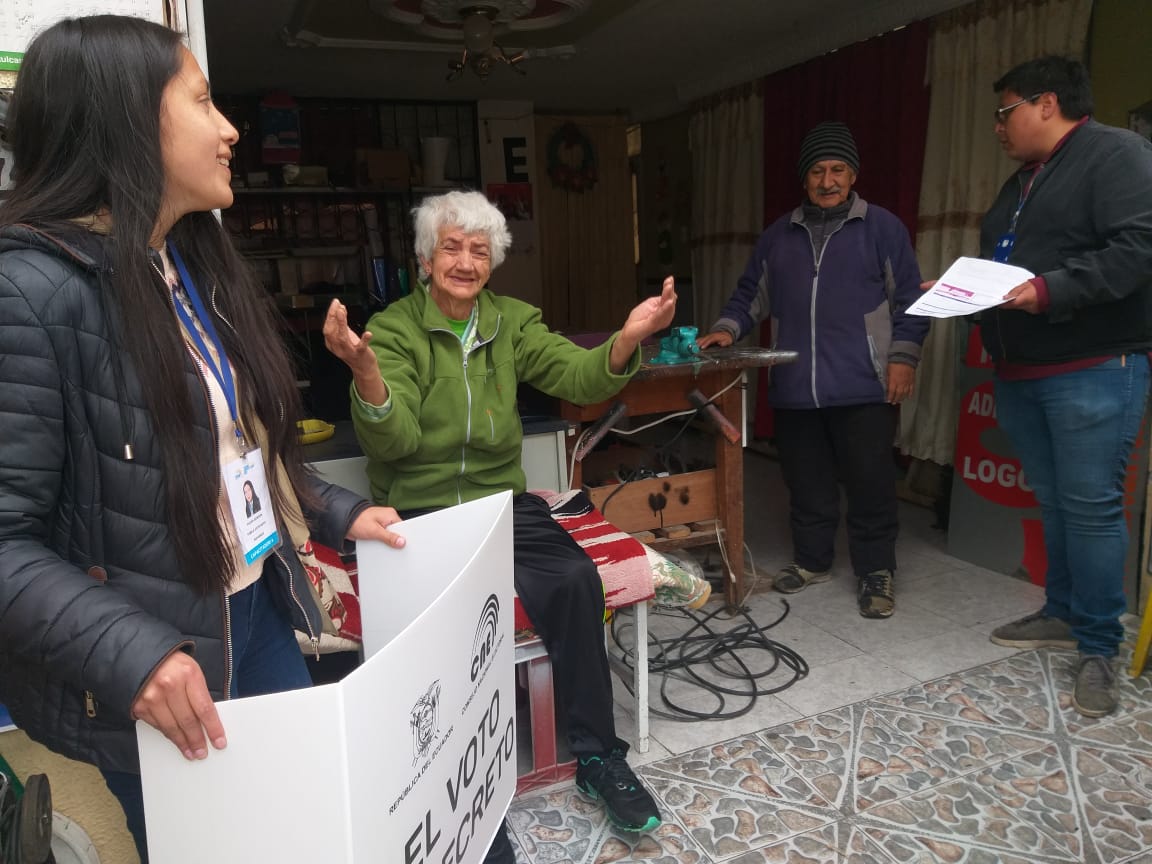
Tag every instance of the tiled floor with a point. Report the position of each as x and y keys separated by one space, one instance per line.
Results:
x=911 y=740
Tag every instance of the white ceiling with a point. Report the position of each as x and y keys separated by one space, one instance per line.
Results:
x=647 y=58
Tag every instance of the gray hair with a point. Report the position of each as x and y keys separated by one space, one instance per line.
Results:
x=471 y=212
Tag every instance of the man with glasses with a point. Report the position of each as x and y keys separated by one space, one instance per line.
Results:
x=1071 y=349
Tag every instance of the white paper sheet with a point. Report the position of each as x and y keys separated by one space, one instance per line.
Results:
x=969 y=285
x=411 y=757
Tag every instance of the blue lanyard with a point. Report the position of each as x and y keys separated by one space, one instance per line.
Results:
x=223 y=371
x=1023 y=197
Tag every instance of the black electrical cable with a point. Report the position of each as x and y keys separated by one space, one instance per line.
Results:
x=662 y=453
x=679 y=658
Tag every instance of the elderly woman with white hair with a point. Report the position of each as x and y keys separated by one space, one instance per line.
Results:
x=434 y=406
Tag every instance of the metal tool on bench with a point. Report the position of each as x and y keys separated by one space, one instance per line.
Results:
x=599 y=429
x=679 y=346
x=714 y=416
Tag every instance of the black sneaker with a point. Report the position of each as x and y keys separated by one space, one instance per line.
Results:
x=609 y=778
x=877 y=596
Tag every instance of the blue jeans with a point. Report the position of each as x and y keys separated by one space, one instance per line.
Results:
x=1074 y=433
x=265 y=659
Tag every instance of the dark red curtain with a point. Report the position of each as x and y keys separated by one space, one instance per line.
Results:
x=878 y=88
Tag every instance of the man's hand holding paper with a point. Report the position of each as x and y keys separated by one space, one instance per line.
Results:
x=972 y=284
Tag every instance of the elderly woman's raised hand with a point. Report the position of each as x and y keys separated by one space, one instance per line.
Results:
x=648 y=317
x=355 y=351
x=652 y=314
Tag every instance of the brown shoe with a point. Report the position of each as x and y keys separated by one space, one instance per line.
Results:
x=795 y=578
x=877 y=594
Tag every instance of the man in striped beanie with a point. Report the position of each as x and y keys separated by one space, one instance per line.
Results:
x=834 y=276
x=830 y=141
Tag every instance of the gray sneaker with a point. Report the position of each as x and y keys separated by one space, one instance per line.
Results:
x=1095 y=692
x=795 y=578
x=1035 y=631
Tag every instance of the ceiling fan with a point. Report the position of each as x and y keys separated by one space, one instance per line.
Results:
x=481 y=51
x=478 y=23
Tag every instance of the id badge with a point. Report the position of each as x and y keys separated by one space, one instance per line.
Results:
x=1004 y=247
x=251 y=505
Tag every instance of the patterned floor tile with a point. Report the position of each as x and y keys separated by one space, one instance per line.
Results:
x=962 y=747
x=853 y=759
x=971 y=814
x=1133 y=732
x=726 y=824
x=839 y=843
x=987 y=766
x=744 y=765
x=668 y=844
x=556 y=827
x=1013 y=692
x=1116 y=806
x=1037 y=788
x=908 y=848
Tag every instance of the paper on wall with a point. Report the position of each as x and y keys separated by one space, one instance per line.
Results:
x=21 y=20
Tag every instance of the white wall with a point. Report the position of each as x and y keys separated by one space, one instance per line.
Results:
x=508 y=155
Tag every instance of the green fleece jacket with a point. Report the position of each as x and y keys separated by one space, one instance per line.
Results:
x=453 y=433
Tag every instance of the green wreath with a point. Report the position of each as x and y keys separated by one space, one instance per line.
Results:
x=571 y=159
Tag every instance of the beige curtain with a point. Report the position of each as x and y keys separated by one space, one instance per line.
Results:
x=586 y=242
x=726 y=135
x=964 y=168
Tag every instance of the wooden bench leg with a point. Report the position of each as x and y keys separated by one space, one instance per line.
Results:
x=545 y=771
x=543 y=708
x=640 y=676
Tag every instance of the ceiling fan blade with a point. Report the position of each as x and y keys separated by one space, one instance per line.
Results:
x=558 y=52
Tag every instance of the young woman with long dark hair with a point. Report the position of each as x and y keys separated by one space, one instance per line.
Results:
x=140 y=366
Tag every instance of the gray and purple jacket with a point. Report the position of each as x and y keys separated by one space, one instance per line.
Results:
x=836 y=295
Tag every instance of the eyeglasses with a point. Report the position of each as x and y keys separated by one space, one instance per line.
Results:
x=1001 y=114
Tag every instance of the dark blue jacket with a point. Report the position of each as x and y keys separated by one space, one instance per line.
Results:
x=92 y=597
x=842 y=312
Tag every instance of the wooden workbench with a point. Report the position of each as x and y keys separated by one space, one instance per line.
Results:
x=717 y=493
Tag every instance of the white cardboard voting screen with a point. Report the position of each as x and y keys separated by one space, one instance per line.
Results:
x=411 y=758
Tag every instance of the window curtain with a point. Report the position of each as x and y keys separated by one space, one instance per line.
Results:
x=878 y=87
x=964 y=167
x=725 y=135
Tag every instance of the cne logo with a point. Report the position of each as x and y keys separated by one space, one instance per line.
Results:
x=485 y=639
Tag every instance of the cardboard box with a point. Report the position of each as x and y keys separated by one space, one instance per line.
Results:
x=378 y=167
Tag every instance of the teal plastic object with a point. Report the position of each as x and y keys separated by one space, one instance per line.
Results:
x=679 y=346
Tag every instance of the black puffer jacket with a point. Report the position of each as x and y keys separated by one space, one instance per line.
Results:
x=91 y=593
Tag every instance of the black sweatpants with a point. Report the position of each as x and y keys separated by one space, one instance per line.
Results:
x=819 y=449
x=561 y=591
